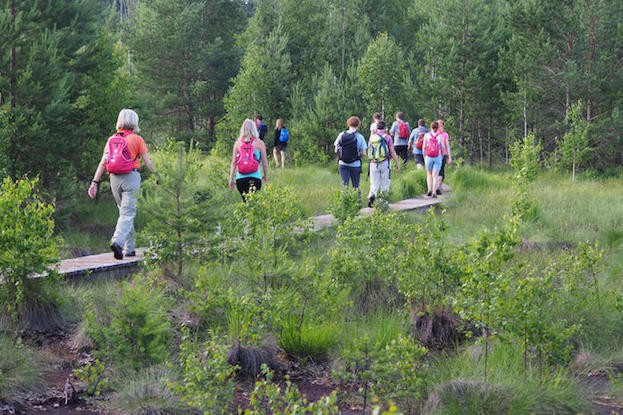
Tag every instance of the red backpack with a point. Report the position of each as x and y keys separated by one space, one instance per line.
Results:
x=432 y=147
x=403 y=130
x=119 y=159
x=247 y=163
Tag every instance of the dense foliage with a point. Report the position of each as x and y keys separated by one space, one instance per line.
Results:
x=495 y=70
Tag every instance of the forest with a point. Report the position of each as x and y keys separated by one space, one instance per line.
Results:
x=506 y=298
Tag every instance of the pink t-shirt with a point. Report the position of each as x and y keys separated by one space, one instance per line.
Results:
x=443 y=138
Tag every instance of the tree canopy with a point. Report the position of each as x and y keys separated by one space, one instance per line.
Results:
x=496 y=71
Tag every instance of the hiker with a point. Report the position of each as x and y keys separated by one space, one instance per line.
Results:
x=249 y=152
x=416 y=141
x=122 y=157
x=447 y=155
x=280 y=138
x=262 y=128
x=400 y=131
x=432 y=147
x=350 y=146
x=380 y=150
x=376 y=117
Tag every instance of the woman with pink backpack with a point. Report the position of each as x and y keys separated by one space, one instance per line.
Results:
x=249 y=152
x=433 y=147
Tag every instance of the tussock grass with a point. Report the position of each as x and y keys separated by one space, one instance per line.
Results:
x=460 y=387
x=21 y=370
x=146 y=392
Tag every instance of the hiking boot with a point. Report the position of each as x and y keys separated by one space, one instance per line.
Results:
x=438 y=191
x=117 y=251
x=434 y=196
x=131 y=253
x=371 y=201
x=429 y=194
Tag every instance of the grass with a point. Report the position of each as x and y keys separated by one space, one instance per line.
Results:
x=459 y=385
x=20 y=369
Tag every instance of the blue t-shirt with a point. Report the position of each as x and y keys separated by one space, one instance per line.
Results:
x=361 y=146
x=394 y=133
x=257 y=174
x=414 y=137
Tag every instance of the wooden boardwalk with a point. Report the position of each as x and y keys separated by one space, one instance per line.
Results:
x=106 y=265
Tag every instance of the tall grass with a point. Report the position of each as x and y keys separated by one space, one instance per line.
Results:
x=459 y=386
x=21 y=370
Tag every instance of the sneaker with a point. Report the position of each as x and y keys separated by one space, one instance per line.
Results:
x=371 y=201
x=429 y=194
x=131 y=253
x=438 y=191
x=117 y=251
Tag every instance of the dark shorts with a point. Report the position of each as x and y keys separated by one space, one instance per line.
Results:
x=279 y=146
x=419 y=158
x=245 y=184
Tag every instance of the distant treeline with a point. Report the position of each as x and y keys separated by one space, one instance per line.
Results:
x=495 y=70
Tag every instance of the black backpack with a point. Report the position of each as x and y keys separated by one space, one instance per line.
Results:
x=347 y=148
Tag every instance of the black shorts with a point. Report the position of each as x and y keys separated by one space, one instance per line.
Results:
x=279 y=146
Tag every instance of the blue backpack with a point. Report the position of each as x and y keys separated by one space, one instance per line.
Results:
x=284 y=136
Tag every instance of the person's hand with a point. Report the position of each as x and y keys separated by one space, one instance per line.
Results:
x=264 y=179
x=397 y=166
x=93 y=189
x=231 y=185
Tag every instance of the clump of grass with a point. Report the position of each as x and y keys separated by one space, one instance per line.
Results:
x=408 y=185
x=21 y=370
x=308 y=341
x=146 y=392
x=459 y=385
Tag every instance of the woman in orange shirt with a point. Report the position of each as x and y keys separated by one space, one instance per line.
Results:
x=125 y=187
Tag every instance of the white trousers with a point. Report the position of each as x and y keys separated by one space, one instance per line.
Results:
x=125 y=189
x=379 y=178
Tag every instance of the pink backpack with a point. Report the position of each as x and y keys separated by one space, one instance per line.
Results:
x=247 y=163
x=432 y=147
x=119 y=159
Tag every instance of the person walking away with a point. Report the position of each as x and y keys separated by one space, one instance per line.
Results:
x=281 y=137
x=350 y=147
x=376 y=117
x=262 y=128
x=416 y=140
x=447 y=155
x=380 y=150
x=248 y=153
x=400 y=131
x=122 y=157
x=432 y=147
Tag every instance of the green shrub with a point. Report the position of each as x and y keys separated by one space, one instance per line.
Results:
x=207 y=380
x=268 y=397
x=345 y=204
x=28 y=247
x=139 y=328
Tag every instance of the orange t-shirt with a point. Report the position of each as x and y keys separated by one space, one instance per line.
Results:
x=136 y=145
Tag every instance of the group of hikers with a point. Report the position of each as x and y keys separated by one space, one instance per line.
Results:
x=430 y=150
x=124 y=151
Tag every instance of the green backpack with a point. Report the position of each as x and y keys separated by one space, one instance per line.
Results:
x=379 y=150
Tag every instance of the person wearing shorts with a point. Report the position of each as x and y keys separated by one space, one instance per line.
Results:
x=433 y=163
x=279 y=147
